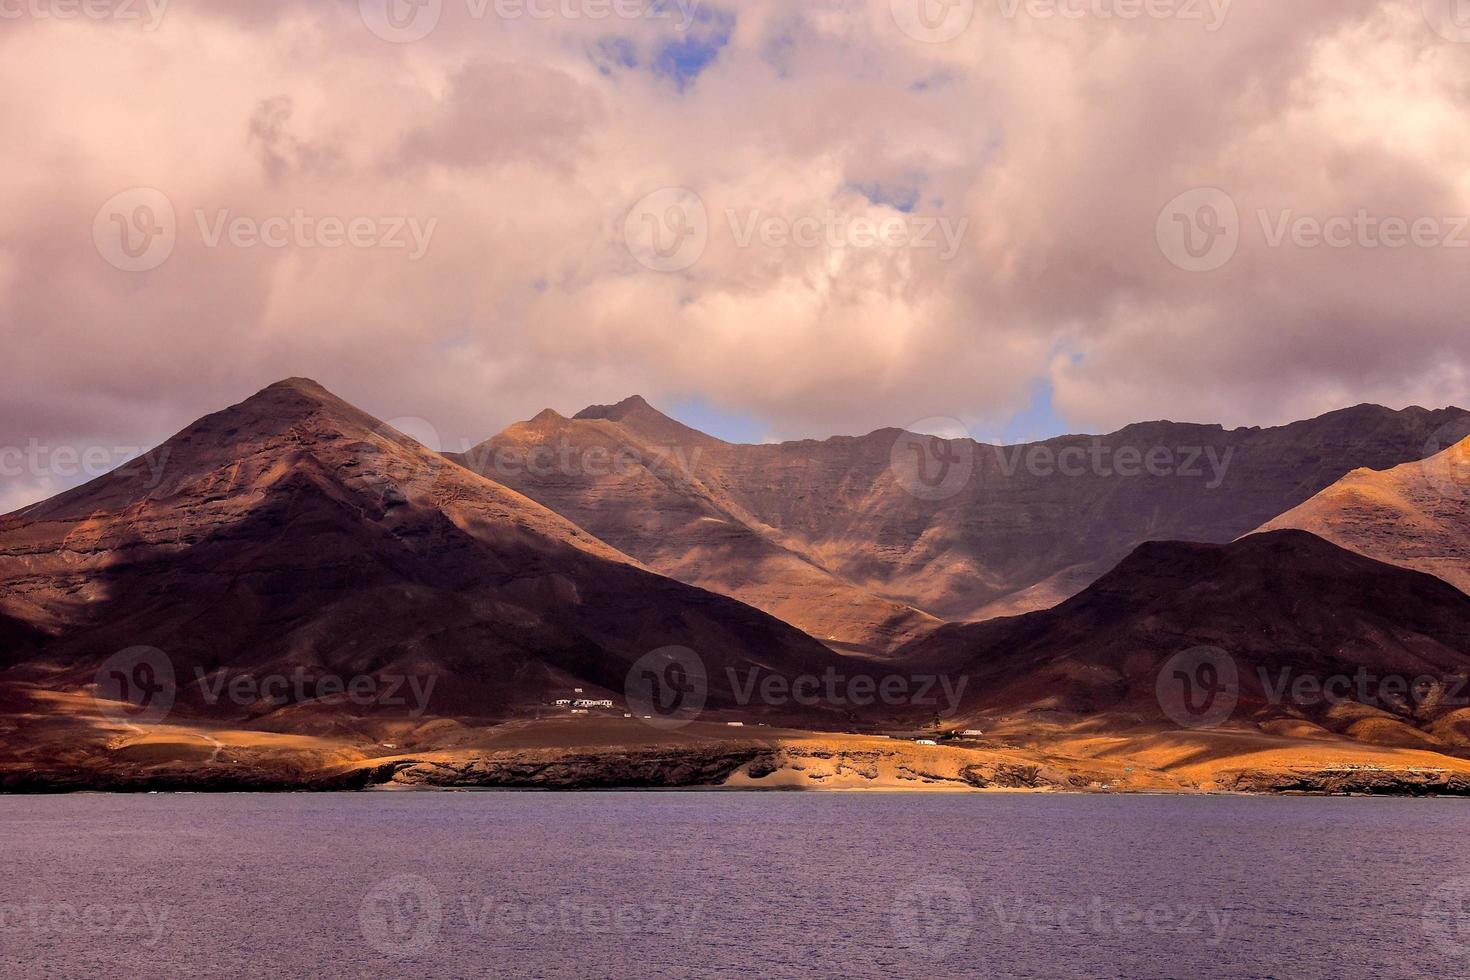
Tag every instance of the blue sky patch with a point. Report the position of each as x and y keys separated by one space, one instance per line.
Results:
x=697 y=413
x=1036 y=422
x=684 y=58
x=899 y=196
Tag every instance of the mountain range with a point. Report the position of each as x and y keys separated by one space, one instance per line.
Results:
x=563 y=558
x=294 y=532
x=844 y=538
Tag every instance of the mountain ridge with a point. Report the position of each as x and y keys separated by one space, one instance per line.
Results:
x=294 y=534
x=1013 y=536
x=1415 y=515
x=1277 y=601
x=294 y=531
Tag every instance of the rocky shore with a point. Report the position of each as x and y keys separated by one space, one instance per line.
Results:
x=814 y=762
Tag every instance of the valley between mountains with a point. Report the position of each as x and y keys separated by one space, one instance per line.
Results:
x=290 y=594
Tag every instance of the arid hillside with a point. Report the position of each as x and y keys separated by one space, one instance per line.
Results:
x=293 y=532
x=867 y=541
x=1416 y=515
x=1279 y=632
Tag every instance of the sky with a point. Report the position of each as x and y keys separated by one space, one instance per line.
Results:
x=773 y=218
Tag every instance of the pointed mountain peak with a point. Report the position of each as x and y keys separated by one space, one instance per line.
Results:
x=248 y=444
x=291 y=400
x=305 y=386
x=548 y=416
x=635 y=415
x=618 y=412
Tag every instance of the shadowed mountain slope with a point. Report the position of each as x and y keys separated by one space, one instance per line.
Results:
x=1285 y=604
x=644 y=483
x=293 y=531
x=865 y=539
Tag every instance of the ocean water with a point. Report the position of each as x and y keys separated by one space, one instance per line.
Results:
x=726 y=884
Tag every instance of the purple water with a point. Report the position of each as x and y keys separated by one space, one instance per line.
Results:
x=724 y=884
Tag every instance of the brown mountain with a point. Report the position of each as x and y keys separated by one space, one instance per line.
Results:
x=1278 y=606
x=293 y=531
x=657 y=490
x=1416 y=515
x=295 y=534
x=862 y=540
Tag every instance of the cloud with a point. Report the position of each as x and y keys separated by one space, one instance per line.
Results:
x=279 y=150
x=831 y=151
x=497 y=113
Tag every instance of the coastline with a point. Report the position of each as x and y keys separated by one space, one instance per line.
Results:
x=706 y=760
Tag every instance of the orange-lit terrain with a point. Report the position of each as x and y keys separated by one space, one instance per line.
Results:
x=1416 y=515
x=489 y=626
